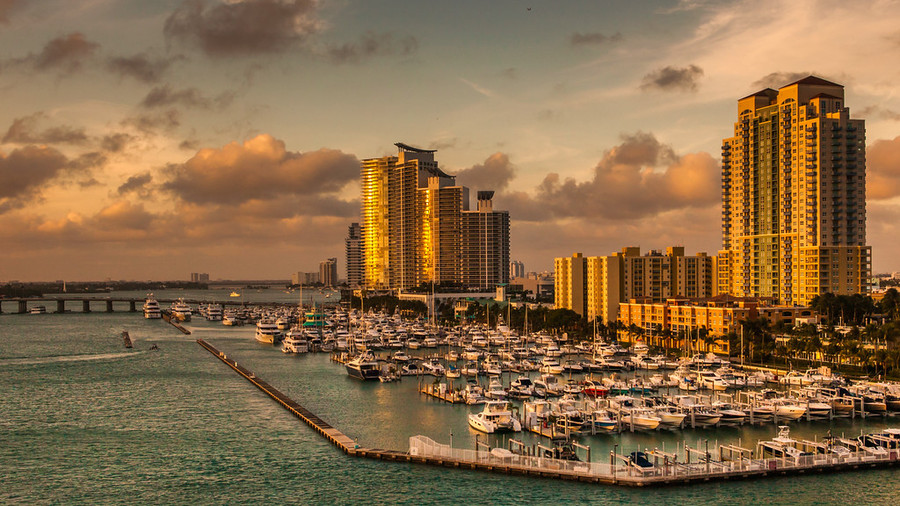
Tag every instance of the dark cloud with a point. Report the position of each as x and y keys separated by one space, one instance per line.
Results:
x=164 y=96
x=136 y=183
x=24 y=171
x=510 y=73
x=444 y=144
x=114 y=143
x=673 y=79
x=66 y=54
x=166 y=120
x=6 y=8
x=26 y=130
x=140 y=66
x=638 y=178
x=189 y=144
x=88 y=161
x=494 y=174
x=260 y=168
x=883 y=167
x=776 y=80
x=372 y=44
x=878 y=112
x=243 y=28
x=593 y=39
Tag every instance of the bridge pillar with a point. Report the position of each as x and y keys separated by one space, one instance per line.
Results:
x=61 y=306
x=132 y=307
x=23 y=306
x=85 y=306
x=109 y=306
x=1 y=307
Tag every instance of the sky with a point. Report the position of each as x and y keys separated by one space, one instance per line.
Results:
x=148 y=140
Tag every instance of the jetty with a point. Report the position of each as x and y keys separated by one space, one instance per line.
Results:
x=167 y=316
x=651 y=467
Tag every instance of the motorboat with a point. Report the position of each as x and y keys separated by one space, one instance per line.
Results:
x=267 y=332
x=495 y=417
x=295 y=342
x=214 y=313
x=521 y=388
x=181 y=310
x=593 y=388
x=363 y=366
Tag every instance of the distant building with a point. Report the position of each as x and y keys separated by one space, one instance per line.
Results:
x=199 y=277
x=356 y=270
x=304 y=278
x=516 y=269
x=417 y=228
x=328 y=272
x=794 y=196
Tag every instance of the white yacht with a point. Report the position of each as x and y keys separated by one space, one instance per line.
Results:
x=295 y=342
x=267 y=332
x=496 y=417
x=181 y=311
x=214 y=313
x=151 y=308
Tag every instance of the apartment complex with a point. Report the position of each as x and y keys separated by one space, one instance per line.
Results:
x=675 y=322
x=417 y=227
x=595 y=286
x=328 y=272
x=354 y=258
x=793 y=196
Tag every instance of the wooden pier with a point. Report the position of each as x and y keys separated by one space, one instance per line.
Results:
x=167 y=316
x=619 y=471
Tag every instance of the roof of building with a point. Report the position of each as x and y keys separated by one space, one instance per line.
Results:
x=761 y=93
x=407 y=147
x=826 y=95
x=817 y=81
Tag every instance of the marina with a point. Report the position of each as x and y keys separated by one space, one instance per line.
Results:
x=637 y=469
x=265 y=434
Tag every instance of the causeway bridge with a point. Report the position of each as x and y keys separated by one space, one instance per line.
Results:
x=110 y=304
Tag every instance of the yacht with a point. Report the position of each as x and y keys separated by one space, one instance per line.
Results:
x=214 y=313
x=496 y=417
x=181 y=311
x=267 y=332
x=364 y=366
x=295 y=342
x=151 y=308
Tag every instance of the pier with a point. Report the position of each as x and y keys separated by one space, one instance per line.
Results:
x=652 y=467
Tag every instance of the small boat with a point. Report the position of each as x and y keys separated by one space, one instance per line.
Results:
x=234 y=294
x=496 y=417
x=364 y=366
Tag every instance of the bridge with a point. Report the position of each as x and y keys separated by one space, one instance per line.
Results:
x=109 y=303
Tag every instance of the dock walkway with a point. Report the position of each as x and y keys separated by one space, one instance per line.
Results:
x=666 y=472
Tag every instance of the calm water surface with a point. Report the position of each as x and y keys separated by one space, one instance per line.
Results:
x=82 y=420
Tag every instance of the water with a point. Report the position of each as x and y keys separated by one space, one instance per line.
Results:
x=86 y=421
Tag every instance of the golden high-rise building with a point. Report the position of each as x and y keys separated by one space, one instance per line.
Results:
x=794 y=196
x=417 y=227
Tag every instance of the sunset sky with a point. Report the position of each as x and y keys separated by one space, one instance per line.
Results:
x=150 y=139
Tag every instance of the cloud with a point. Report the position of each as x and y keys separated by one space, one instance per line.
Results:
x=640 y=177
x=260 y=168
x=369 y=45
x=883 y=167
x=66 y=54
x=879 y=113
x=164 y=96
x=776 y=80
x=114 y=143
x=6 y=8
x=494 y=174
x=673 y=79
x=136 y=183
x=123 y=215
x=243 y=27
x=139 y=66
x=593 y=39
x=24 y=171
x=25 y=130
x=510 y=73
x=153 y=121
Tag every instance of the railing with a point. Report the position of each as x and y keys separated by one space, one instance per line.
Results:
x=663 y=469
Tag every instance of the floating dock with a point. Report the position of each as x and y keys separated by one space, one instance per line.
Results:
x=665 y=469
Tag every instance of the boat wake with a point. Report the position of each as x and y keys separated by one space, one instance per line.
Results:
x=67 y=358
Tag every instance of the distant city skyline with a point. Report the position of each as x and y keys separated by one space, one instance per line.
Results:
x=140 y=140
